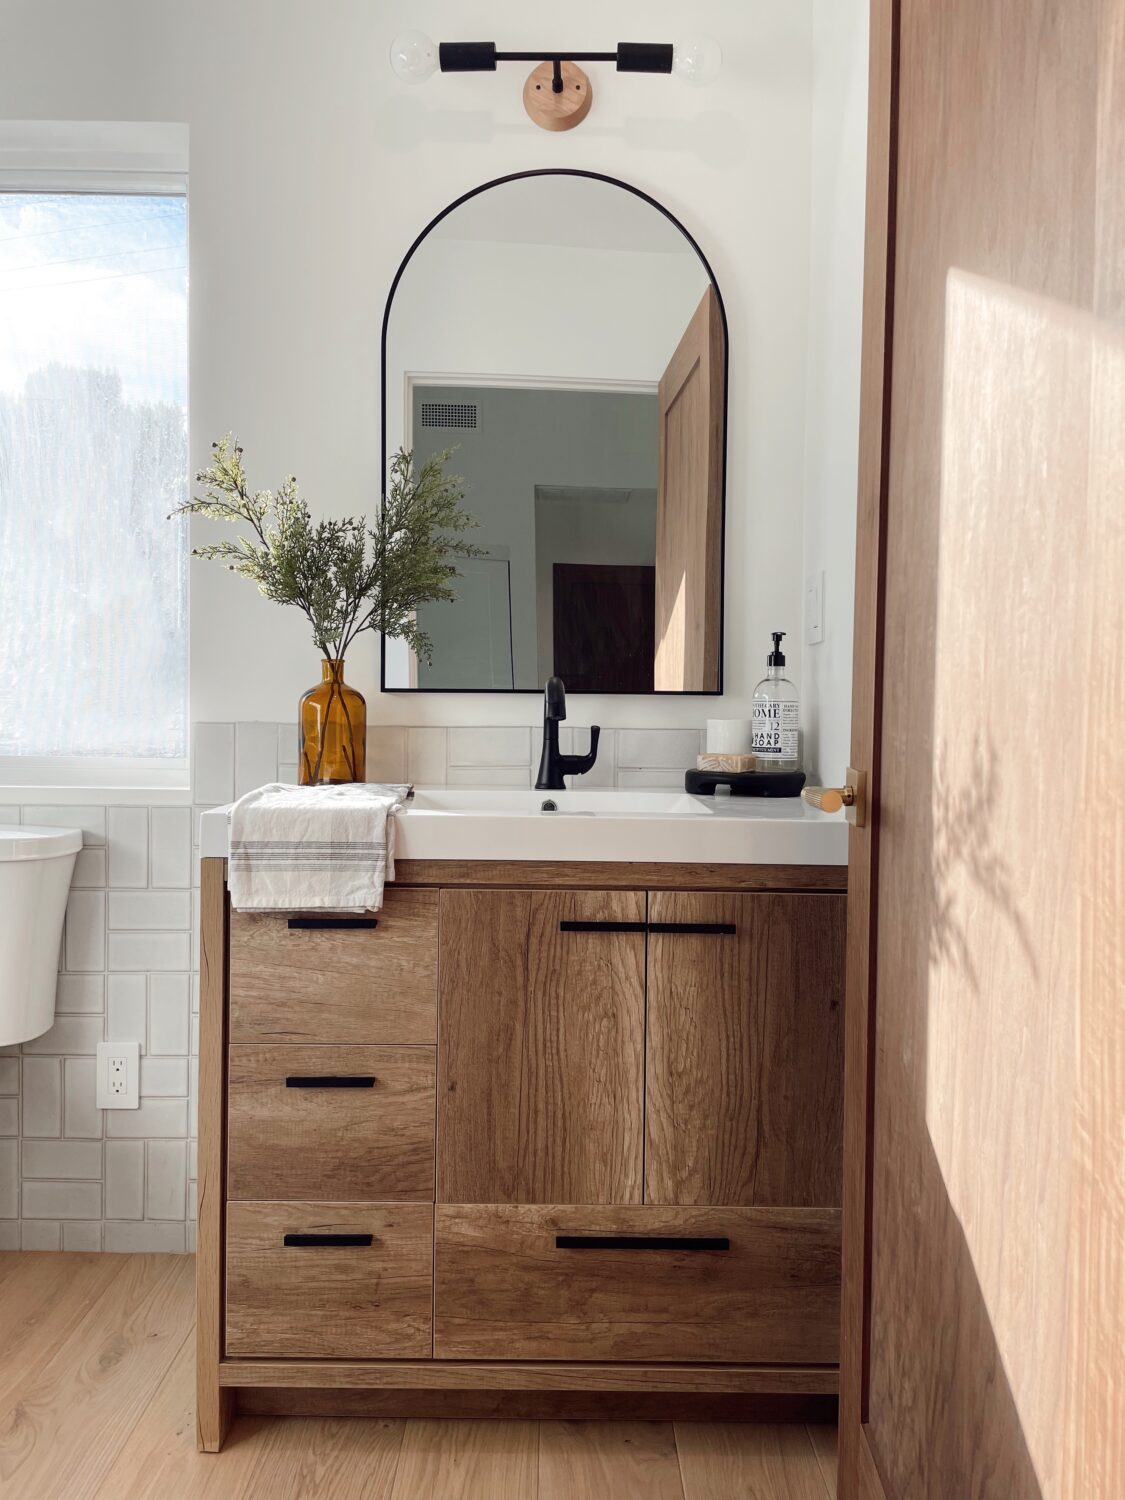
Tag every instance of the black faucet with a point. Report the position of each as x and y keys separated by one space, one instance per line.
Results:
x=553 y=766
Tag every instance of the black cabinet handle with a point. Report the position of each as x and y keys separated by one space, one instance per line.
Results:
x=331 y=1081
x=311 y=1241
x=641 y=1242
x=346 y=924
x=601 y=927
x=700 y=929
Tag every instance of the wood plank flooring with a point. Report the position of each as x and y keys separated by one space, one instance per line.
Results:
x=97 y=1391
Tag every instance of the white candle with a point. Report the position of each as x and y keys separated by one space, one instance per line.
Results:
x=729 y=736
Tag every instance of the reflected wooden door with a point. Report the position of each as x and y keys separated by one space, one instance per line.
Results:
x=984 y=1261
x=689 y=507
x=603 y=626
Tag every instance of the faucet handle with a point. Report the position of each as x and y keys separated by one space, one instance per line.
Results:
x=580 y=764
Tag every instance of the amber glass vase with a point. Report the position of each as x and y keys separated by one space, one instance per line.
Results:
x=333 y=731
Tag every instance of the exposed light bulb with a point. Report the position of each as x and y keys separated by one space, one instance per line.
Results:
x=414 y=57
x=697 y=59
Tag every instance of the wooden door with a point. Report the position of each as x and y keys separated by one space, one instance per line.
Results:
x=602 y=625
x=541 y=1046
x=689 y=507
x=744 y=1082
x=984 y=1259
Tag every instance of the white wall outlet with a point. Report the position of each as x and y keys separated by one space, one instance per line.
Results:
x=119 y=1075
x=814 y=608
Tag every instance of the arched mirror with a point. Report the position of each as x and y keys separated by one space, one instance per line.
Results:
x=564 y=336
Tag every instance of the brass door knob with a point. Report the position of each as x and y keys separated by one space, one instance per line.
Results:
x=830 y=799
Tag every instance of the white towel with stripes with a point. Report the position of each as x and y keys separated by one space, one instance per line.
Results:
x=313 y=848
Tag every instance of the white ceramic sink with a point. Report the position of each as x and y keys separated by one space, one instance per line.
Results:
x=462 y=801
x=639 y=826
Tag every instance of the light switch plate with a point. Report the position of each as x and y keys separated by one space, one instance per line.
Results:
x=814 y=608
x=119 y=1075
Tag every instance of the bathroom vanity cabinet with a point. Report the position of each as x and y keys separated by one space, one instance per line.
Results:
x=532 y=1140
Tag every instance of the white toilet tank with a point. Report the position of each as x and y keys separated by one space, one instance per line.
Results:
x=35 y=869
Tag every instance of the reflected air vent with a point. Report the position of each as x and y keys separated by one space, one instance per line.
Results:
x=449 y=414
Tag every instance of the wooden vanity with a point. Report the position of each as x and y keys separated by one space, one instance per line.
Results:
x=534 y=1140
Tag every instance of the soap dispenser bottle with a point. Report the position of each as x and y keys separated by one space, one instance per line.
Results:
x=775 y=715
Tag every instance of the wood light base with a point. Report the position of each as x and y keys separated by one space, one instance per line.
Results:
x=545 y=1141
x=557 y=111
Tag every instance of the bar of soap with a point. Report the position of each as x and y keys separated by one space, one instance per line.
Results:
x=712 y=761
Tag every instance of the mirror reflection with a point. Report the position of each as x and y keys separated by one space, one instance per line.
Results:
x=562 y=337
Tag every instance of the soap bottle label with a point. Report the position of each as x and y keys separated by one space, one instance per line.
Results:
x=775 y=731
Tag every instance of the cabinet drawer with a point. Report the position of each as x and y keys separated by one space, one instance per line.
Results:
x=290 y=983
x=366 y=1296
x=532 y=1282
x=344 y=1123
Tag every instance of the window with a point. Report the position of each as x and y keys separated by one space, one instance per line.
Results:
x=93 y=457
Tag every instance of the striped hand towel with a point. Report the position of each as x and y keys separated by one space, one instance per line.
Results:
x=313 y=848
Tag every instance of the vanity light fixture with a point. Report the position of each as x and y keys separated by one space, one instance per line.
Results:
x=557 y=94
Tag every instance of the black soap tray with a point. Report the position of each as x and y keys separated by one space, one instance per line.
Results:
x=745 y=783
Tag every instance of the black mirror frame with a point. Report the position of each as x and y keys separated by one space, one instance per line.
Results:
x=671 y=217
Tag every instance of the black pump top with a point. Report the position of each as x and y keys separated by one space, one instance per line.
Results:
x=776 y=658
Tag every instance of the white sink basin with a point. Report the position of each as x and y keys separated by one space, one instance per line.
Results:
x=468 y=801
x=629 y=826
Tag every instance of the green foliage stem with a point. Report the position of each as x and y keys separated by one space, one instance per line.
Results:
x=345 y=576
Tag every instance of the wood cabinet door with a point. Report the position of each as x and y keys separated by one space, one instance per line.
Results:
x=745 y=1061
x=541 y=1050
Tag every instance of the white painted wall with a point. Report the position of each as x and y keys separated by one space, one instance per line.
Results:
x=839 y=135
x=313 y=167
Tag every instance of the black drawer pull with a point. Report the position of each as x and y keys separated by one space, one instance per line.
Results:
x=700 y=929
x=601 y=927
x=641 y=1242
x=331 y=1081
x=345 y=924
x=310 y=1241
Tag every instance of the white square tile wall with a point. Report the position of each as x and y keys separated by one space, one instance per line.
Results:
x=255 y=756
x=74 y=1177
x=170 y=846
x=127 y=846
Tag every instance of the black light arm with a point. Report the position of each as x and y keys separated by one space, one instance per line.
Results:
x=482 y=57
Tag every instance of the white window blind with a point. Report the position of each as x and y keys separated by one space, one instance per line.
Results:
x=93 y=456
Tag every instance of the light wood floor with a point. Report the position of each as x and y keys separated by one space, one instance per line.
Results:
x=96 y=1403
